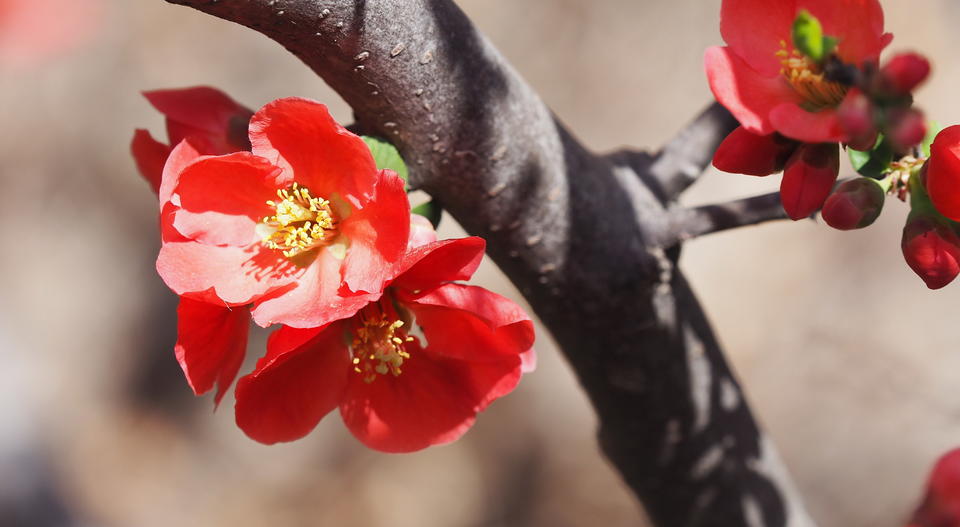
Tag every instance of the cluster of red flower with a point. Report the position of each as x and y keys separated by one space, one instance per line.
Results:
x=296 y=226
x=803 y=77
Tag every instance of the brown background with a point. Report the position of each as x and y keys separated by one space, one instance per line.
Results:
x=852 y=364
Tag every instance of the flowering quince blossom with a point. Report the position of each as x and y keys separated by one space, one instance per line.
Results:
x=394 y=393
x=941 y=504
x=943 y=172
x=34 y=31
x=304 y=226
x=212 y=122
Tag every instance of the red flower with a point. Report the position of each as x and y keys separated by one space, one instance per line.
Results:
x=304 y=227
x=743 y=152
x=211 y=121
x=771 y=88
x=931 y=249
x=394 y=394
x=810 y=174
x=35 y=30
x=943 y=172
x=941 y=505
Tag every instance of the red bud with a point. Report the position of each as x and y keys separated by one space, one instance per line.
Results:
x=943 y=172
x=854 y=205
x=931 y=249
x=906 y=128
x=905 y=71
x=743 y=152
x=855 y=115
x=941 y=505
x=808 y=178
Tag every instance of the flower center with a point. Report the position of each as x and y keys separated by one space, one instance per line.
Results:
x=378 y=343
x=300 y=222
x=807 y=80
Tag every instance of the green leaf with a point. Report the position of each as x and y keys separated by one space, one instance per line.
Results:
x=829 y=44
x=386 y=156
x=933 y=128
x=808 y=36
x=430 y=210
x=873 y=163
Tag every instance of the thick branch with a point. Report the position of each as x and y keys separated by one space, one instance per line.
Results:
x=685 y=223
x=576 y=232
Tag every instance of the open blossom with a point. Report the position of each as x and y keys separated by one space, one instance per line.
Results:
x=212 y=122
x=304 y=227
x=395 y=392
x=770 y=87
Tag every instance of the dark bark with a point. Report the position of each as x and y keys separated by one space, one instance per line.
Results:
x=581 y=235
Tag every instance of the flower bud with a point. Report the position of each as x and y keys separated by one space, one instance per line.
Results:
x=906 y=128
x=855 y=115
x=808 y=178
x=904 y=72
x=931 y=249
x=943 y=172
x=855 y=204
x=941 y=504
x=743 y=152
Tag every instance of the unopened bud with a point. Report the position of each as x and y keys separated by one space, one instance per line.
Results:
x=906 y=128
x=808 y=178
x=855 y=115
x=941 y=504
x=931 y=249
x=904 y=72
x=943 y=172
x=743 y=152
x=854 y=204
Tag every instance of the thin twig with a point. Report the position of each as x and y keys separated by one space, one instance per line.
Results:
x=684 y=223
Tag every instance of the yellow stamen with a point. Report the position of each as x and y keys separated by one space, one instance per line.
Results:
x=378 y=344
x=806 y=79
x=300 y=223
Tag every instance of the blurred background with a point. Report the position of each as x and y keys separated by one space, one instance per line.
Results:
x=851 y=363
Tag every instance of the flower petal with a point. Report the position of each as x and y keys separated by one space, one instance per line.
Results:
x=150 y=156
x=743 y=152
x=202 y=111
x=471 y=323
x=378 y=235
x=182 y=155
x=810 y=127
x=434 y=401
x=858 y=24
x=754 y=29
x=315 y=300
x=943 y=172
x=749 y=95
x=300 y=136
x=808 y=178
x=238 y=275
x=428 y=266
x=421 y=232
x=211 y=343
x=223 y=198
x=292 y=388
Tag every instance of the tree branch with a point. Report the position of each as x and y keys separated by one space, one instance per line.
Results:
x=576 y=232
x=684 y=223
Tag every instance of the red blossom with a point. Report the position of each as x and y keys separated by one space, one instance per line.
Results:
x=808 y=178
x=943 y=172
x=904 y=72
x=941 y=504
x=209 y=119
x=394 y=393
x=771 y=88
x=304 y=226
x=931 y=249
x=743 y=152
x=32 y=31
x=855 y=204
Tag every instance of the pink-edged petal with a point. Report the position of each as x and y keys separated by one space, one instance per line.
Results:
x=211 y=343
x=238 y=275
x=301 y=136
x=749 y=95
x=754 y=30
x=292 y=388
x=421 y=232
x=378 y=235
x=428 y=266
x=201 y=107
x=471 y=323
x=182 y=155
x=809 y=127
x=223 y=198
x=858 y=24
x=150 y=156
x=434 y=401
x=315 y=300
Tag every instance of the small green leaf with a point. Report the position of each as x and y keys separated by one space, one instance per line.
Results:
x=808 y=36
x=933 y=128
x=872 y=163
x=829 y=44
x=430 y=210
x=386 y=156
